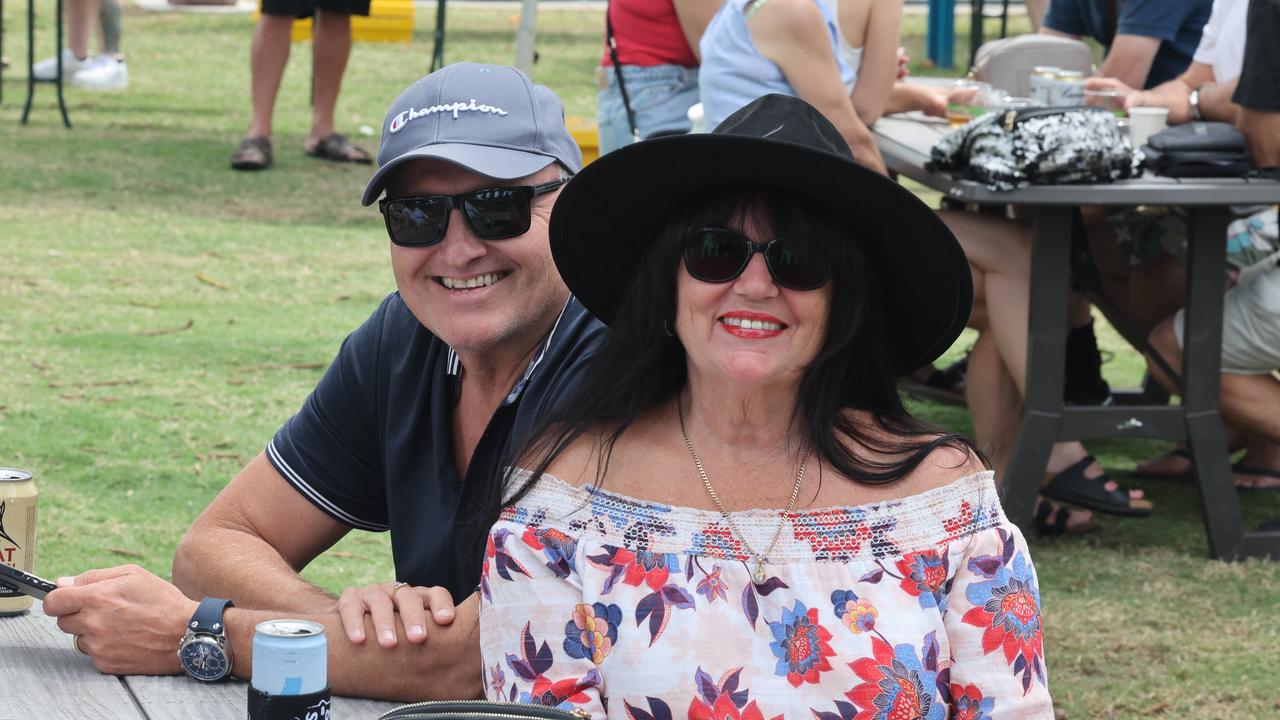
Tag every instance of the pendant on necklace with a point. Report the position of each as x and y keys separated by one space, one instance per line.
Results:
x=758 y=575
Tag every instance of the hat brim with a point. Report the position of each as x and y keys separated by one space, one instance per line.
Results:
x=495 y=162
x=608 y=215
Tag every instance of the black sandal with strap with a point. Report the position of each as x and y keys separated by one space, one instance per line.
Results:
x=1183 y=476
x=254 y=153
x=1052 y=520
x=337 y=147
x=1073 y=486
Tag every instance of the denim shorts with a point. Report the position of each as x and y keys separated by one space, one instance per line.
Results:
x=660 y=96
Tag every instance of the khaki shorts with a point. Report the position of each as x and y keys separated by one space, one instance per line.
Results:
x=1250 y=326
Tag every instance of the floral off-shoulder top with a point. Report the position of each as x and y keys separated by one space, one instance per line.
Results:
x=925 y=607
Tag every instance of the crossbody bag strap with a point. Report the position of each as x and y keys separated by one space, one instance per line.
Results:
x=612 y=43
x=1112 y=25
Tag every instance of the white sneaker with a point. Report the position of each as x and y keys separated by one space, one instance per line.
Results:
x=102 y=72
x=47 y=69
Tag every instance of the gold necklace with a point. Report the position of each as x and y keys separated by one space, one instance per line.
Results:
x=760 y=558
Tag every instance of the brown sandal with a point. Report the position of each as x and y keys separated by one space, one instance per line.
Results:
x=254 y=153
x=338 y=148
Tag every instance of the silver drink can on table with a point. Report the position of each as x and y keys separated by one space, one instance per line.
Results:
x=1044 y=78
x=289 y=657
x=1069 y=91
x=18 y=501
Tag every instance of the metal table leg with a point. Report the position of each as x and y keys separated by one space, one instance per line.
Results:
x=1046 y=362
x=31 y=63
x=1201 y=362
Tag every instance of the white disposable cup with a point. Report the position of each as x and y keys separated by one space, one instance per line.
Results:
x=1145 y=122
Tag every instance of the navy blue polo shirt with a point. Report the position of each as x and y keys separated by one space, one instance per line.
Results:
x=1176 y=23
x=372 y=444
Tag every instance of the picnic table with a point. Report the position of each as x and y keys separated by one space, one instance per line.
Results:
x=905 y=142
x=45 y=679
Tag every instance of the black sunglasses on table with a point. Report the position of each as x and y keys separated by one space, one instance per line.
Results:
x=719 y=255
x=495 y=213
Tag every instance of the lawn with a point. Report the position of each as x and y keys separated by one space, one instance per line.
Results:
x=161 y=315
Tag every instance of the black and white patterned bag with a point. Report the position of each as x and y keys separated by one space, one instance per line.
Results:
x=1039 y=146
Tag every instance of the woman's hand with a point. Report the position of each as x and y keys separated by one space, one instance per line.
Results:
x=904 y=63
x=383 y=600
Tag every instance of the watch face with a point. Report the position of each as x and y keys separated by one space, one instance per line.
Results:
x=204 y=659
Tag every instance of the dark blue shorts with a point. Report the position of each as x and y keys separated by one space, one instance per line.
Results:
x=307 y=8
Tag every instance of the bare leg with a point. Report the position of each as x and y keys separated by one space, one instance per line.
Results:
x=267 y=58
x=1000 y=256
x=109 y=19
x=1262 y=130
x=80 y=14
x=331 y=46
x=1157 y=289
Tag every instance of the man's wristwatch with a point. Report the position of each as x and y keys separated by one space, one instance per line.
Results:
x=1193 y=100
x=204 y=651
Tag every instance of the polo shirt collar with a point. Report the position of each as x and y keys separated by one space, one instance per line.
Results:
x=453 y=363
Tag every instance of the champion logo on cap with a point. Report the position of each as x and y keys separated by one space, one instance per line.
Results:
x=402 y=118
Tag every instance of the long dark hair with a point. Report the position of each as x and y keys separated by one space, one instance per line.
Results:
x=640 y=364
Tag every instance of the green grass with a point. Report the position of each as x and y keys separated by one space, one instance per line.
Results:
x=161 y=315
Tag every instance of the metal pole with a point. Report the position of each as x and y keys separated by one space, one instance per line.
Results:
x=525 y=35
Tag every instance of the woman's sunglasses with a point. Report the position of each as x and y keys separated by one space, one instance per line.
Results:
x=492 y=213
x=719 y=255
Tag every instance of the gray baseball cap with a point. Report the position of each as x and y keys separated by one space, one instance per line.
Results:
x=490 y=119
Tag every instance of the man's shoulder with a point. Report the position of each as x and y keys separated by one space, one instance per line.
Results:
x=1164 y=13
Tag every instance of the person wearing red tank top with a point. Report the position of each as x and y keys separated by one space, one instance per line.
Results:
x=648 y=74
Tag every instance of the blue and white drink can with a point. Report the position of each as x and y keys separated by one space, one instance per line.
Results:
x=289 y=657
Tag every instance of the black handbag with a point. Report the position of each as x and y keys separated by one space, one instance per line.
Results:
x=1198 y=149
x=480 y=710
x=1038 y=146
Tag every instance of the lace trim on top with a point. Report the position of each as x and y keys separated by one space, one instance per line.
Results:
x=891 y=528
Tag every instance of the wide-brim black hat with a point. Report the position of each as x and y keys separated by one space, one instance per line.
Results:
x=609 y=214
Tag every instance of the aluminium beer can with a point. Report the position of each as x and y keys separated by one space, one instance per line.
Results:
x=289 y=657
x=18 y=498
x=1044 y=78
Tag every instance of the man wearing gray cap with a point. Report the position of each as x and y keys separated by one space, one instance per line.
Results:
x=411 y=420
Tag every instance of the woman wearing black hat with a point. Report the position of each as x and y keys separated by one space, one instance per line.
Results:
x=628 y=575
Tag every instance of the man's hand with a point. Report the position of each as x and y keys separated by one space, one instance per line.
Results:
x=1107 y=83
x=383 y=600
x=904 y=63
x=128 y=620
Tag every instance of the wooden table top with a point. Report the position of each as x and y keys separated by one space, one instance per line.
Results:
x=43 y=678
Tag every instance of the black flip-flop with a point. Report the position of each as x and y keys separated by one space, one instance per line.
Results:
x=1052 y=520
x=1184 y=476
x=253 y=153
x=1242 y=469
x=336 y=147
x=1072 y=486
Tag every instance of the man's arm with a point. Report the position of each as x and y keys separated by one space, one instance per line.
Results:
x=1129 y=59
x=130 y=622
x=1175 y=95
x=250 y=543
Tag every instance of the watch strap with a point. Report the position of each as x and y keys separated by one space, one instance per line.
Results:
x=208 y=616
x=1193 y=100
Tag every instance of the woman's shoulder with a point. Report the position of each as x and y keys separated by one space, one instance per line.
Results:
x=950 y=458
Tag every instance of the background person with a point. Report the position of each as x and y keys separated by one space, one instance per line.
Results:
x=1251 y=313
x=756 y=47
x=105 y=71
x=751 y=371
x=656 y=43
x=422 y=400
x=268 y=55
x=1147 y=41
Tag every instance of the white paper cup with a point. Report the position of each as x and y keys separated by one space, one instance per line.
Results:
x=1145 y=122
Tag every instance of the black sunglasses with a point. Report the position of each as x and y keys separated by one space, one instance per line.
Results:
x=718 y=255
x=493 y=213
